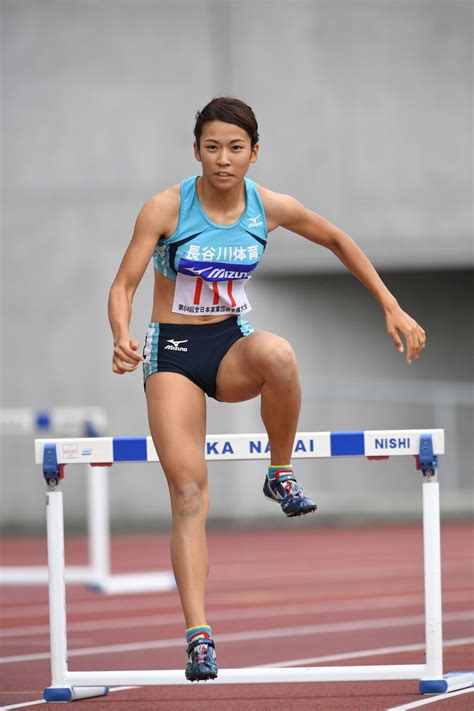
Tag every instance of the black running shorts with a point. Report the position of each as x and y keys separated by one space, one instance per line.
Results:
x=193 y=351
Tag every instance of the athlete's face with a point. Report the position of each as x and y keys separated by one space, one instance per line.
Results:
x=225 y=151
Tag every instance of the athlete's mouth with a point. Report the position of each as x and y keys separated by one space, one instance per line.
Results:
x=223 y=174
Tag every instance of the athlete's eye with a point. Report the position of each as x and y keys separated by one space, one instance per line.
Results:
x=238 y=148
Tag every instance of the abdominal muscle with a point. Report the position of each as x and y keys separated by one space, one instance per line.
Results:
x=163 y=294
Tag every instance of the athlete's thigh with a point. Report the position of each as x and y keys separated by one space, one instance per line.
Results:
x=241 y=372
x=177 y=419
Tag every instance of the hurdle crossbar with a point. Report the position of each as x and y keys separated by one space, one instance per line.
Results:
x=425 y=444
x=88 y=421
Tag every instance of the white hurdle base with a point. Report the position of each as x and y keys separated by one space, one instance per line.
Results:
x=250 y=675
x=129 y=583
x=114 y=584
x=86 y=684
x=38 y=575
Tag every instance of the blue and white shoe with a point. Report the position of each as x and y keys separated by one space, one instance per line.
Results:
x=202 y=663
x=286 y=491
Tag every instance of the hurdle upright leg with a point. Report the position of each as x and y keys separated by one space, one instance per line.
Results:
x=102 y=579
x=433 y=680
x=432 y=580
x=60 y=690
x=98 y=526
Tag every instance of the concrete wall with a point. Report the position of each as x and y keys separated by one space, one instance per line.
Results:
x=364 y=111
x=364 y=108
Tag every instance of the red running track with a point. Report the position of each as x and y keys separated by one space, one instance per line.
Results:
x=274 y=597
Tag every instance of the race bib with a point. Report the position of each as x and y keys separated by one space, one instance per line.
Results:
x=211 y=288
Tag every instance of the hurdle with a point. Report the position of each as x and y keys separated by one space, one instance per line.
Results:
x=424 y=444
x=90 y=421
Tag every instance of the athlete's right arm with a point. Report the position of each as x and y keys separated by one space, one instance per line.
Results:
x=154 y=220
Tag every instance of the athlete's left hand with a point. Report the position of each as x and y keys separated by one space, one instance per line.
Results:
x=399 y=322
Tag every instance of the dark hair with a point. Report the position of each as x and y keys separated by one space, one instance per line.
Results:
x=230 y=111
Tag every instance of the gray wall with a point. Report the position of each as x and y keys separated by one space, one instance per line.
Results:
x=365 y=116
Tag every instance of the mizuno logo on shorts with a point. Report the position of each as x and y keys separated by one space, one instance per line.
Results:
x=174 y=345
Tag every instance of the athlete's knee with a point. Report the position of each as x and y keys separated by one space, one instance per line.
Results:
x=188 y=498
x=280 y=358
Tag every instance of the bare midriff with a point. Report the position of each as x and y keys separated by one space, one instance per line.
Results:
x=163 y=294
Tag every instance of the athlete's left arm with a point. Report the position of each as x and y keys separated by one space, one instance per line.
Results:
x=285 y=211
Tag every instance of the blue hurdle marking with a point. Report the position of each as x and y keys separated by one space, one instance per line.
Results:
x=129 y=449
x=347 y=444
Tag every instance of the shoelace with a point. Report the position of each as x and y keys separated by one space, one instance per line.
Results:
x=295 y=489
x=200 y=654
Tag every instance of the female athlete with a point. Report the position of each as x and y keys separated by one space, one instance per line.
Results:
x=207 y=236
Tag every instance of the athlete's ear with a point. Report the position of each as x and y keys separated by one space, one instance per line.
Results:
x=197 y=154
x=254 y=153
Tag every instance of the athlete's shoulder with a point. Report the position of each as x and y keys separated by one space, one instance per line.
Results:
x=167 y=199
x=160 y=211
x=279 y=208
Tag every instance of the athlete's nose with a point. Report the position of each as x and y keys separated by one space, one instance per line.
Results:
x=223 y=158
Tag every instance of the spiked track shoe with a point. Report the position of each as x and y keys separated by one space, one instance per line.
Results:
x=286 y=491
x=202 y=664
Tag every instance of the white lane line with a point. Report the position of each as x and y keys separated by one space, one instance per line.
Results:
x=103 y=604
x=431 y=700
x=366 y=653
x=22 y=706
x=258 y=570
x=152 y=602
x=272 y=633
x=236 y=613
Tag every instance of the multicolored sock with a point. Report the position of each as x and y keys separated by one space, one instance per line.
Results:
x=194 y=633
x=276 y=470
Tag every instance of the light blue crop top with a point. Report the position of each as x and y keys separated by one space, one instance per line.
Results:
x=201 y=253
x=198 y=239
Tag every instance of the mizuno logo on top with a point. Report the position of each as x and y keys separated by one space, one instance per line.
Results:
x=212 y=271
x=255 y=221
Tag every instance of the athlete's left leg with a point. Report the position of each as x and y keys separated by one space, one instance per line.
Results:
x=265 y=364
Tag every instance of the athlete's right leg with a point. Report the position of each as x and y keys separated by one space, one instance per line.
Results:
x=177 y=418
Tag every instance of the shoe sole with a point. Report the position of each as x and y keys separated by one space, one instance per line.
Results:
x=201 y=678
x=301 y=513
x=309 y=509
